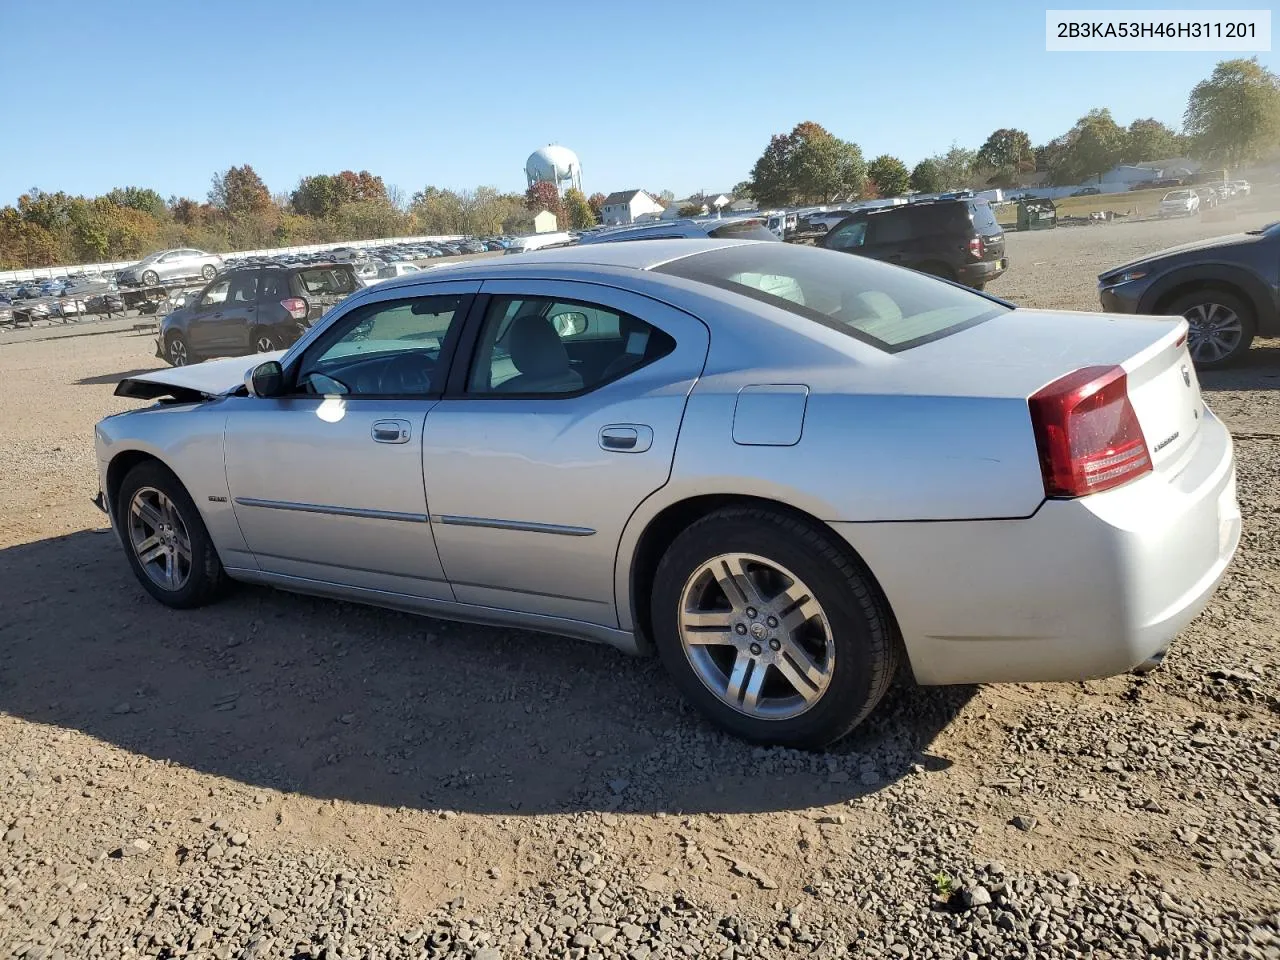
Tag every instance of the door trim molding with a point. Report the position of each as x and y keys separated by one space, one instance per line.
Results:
x=527 y=526
x=361 y=512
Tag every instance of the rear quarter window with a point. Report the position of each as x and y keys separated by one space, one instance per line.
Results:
x=984 y=218
x=324 y=281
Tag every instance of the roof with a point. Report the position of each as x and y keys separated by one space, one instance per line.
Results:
x=622 y=196
x=635 y=256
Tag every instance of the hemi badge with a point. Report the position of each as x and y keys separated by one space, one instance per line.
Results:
x=224 y=499
x=1165 y=442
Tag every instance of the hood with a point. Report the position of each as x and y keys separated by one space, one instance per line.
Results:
x=194 y=382
x=1194 y=247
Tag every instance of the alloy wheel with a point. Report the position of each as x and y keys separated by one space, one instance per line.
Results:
x=159 y=539
x=178 y=352
x=1216 y=332
x=263 y=344
x=756 y=636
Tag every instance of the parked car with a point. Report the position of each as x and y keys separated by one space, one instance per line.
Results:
x=252 y=310
x=1087 y=192
x=1226 y=288
x=32 y=310
x=1179 y=203
x=727 y=228
x=774 y=493
x=105 y=303
x=171 y=265
x=389 y=271
x=1241 y=187
x=957 y=240
x=6 y=315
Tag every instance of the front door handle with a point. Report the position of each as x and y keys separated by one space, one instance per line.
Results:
x=391 y=431
x=626 y=438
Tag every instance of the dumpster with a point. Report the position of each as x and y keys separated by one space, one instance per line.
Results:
x=1037 y=214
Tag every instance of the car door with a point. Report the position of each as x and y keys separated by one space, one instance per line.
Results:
x=326 y=481
x=540 y=451
x=206 y=315
x=236 y=328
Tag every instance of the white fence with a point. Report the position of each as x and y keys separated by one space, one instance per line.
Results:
x=38 y=273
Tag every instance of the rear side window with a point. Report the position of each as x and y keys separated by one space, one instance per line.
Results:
x=892 y=227
x=327 y=280
x=984 y=218
x=273 y=285
x=887 y=307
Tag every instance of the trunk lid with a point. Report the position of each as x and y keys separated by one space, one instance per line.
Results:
x=1015 y=354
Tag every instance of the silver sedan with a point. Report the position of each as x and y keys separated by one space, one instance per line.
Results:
x=783 y=470
x=184 y=264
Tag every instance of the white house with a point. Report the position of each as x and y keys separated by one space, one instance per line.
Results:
x=708 y=205
x=624 y=206
x=545 y=222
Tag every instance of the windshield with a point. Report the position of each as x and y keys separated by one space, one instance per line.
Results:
x=888 y=307
x=1177 y=195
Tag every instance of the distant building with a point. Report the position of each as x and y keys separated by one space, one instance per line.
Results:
x=545 y=222
x=625 y=206
x=707 y=205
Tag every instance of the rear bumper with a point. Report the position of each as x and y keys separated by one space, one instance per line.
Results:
x=1084 y=588
x=983 y=271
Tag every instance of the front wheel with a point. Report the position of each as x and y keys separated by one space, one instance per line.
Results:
x=150 y=278
x=1222 y=326
x=165 y=538
x=771 y=629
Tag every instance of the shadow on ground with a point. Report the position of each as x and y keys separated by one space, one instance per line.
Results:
x=1259 y=369
x=341 y=701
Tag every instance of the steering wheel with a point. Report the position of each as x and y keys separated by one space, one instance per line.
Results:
x=408 y=373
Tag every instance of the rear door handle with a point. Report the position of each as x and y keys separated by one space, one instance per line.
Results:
x=626 y=437
x=391 y=431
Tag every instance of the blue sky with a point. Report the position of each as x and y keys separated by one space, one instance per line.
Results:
x=660 y=95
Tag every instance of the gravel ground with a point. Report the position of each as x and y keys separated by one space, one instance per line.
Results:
x=281 y=776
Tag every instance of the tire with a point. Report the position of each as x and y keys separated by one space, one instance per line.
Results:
x=262 y=340
x=1222 y=326
x=197 y=577
x=176 y=350
x=150 y=278
x=848 y=641
x=208 y=271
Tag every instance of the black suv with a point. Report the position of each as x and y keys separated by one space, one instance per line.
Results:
x=954 y=239
x=253 y=309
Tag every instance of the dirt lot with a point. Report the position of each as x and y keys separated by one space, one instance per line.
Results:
x=286 y=777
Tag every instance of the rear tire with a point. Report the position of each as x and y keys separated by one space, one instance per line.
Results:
x=176 y=351
x=208 y=271
x=165 y=539
x=1222 y=326
x=810 y=632
x=263 y=341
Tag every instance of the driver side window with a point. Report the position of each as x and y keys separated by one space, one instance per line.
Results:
x=215 y=294
x=385 y=349
x=849 y=236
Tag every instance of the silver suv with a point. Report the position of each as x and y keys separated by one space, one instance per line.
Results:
x=184 y=264
x=724 y=228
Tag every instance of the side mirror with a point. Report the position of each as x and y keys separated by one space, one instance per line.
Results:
x=569 y=324
x=265 y=380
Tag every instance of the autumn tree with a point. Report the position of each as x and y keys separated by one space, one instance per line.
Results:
x=239 y=192
x=596 y=203
x=142 y=199
x=807 y=164
x=926 y=177
x=577 y=210
x=1233 y=117
x=543 y=195
x=890 y=174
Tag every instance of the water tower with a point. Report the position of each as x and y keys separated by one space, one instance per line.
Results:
x=554 y=164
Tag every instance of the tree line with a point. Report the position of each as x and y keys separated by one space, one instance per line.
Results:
x=1231 y=118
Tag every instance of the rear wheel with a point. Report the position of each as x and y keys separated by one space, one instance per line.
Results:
x=165 y=538
x=770 y=628
x=263 y=341
x=1222 y=326
x=208 y=271
x=176 y=351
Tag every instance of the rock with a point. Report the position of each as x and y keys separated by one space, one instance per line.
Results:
x=1116 y=748
x=1024 y=822
x=975 y=896
x=132 y=849
x=488 y=953
x=603 y=934
x=583 y=939
x=762 y=879
x=239 y=839
x=14 y=834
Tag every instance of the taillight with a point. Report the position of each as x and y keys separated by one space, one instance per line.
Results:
x=976 y=247
x=296 y=306
x=1087 y=433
